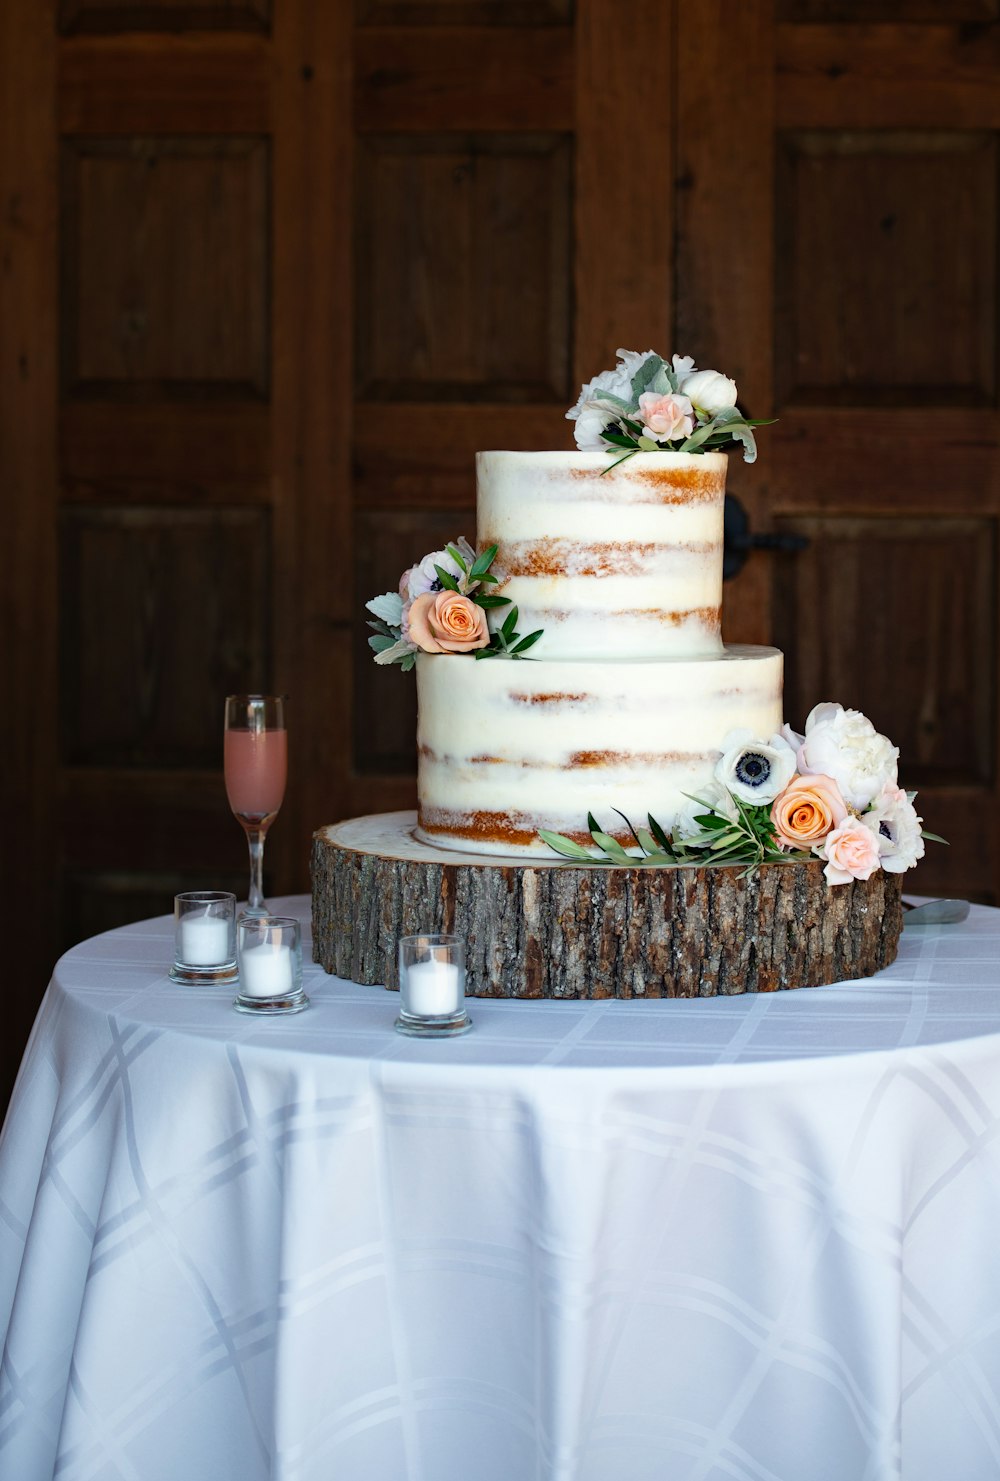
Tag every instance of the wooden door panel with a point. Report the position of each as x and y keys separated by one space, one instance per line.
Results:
x=151 y=307
x=452 y=231
x=109 y=16
x=887 y=246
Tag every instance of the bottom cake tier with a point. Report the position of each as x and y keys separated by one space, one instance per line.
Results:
x=508 y=748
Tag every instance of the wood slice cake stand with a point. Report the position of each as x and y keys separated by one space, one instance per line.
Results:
x=540 y=929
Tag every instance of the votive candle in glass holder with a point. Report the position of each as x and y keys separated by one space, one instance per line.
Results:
x=432 y=987
x=269 y=952
x=204 y=938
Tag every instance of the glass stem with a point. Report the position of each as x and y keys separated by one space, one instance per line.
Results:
x=255 y=838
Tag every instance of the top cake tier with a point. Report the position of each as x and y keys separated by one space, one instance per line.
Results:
x=619 y=564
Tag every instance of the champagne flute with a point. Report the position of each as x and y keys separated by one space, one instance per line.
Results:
x=255 y=765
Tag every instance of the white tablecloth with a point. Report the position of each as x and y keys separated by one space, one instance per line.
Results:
x=750 y=1238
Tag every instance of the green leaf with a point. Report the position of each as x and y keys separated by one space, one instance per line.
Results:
x=407 y=663
x=656 y=859
x=646 y=841
x=702 y=434
x=611 y=847
x=387 y=608
x=510 y=623
x=483 y=599
x=658 y=833
x=381 y=641
x=489 y=580
x=592 y=823
x=529 y=641
x=711 y=820
x=446 y=578
x=609 y=398
x=619 y=439
x=483 y=562
x=628 y=826
x=935 y=838
x=645 y=375
x=565 y=846
x=618 y=461
x=648 y=445
x=457 y=557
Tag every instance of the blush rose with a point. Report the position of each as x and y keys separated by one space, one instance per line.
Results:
x=667 y=417
x=851 y=852
x=447 y=622
x=807 y=810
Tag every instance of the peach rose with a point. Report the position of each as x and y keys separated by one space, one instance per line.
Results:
x=447 y=622
x=806 y=811
x=851 y=852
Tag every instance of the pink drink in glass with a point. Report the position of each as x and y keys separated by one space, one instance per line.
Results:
x=256 y=765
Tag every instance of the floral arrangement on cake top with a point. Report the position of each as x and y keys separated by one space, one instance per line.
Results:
x=647 y=404
x=831 y=793
x=441 y=607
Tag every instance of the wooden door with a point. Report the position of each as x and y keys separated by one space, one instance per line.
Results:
x=837 y=251
x=271 y=271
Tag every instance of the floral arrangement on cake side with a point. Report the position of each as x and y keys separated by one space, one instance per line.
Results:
x=831 y=793
x=441 y=607
x=648 y=404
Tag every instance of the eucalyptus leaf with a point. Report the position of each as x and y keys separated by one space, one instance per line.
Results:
x=611 y=847
x=565 y=846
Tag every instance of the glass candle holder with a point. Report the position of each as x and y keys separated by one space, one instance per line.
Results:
x=432 y=987
x=204 y=938
x=269 y=953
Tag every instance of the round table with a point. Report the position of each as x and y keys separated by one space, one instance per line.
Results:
x=748 y=1238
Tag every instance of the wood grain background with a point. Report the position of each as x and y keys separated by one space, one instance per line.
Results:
x=272 y=270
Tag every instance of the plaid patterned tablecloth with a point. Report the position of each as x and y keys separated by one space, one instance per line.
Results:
x=748 y=1238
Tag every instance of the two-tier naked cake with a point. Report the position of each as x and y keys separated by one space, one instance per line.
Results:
x=609 y=801
x=630 y=690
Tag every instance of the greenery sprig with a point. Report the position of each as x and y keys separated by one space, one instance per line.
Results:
x=747 y=839
x=506 y=642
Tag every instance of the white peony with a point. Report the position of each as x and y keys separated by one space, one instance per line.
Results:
x=682 y=366
x=590 y=425
x=754 y=770
x=893 y=819
x=845 y=745
x=710 y=391
x=719 y=800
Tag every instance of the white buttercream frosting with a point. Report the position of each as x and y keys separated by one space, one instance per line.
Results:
x=614 y=562
x=539 y=744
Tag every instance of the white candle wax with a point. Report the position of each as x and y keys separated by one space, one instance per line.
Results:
x=267 y=970
x=204 y=941
x=433 y=988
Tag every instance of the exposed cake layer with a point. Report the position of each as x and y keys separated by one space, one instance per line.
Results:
x=625 y=563
x=506 y=748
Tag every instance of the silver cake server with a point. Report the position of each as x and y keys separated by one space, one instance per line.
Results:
x=935 y=913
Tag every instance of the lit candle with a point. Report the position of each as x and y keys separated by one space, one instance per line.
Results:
x=433 y=989
x=204 y=941
x=267 y=970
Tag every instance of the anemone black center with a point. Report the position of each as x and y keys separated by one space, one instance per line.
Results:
x=753 y=769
